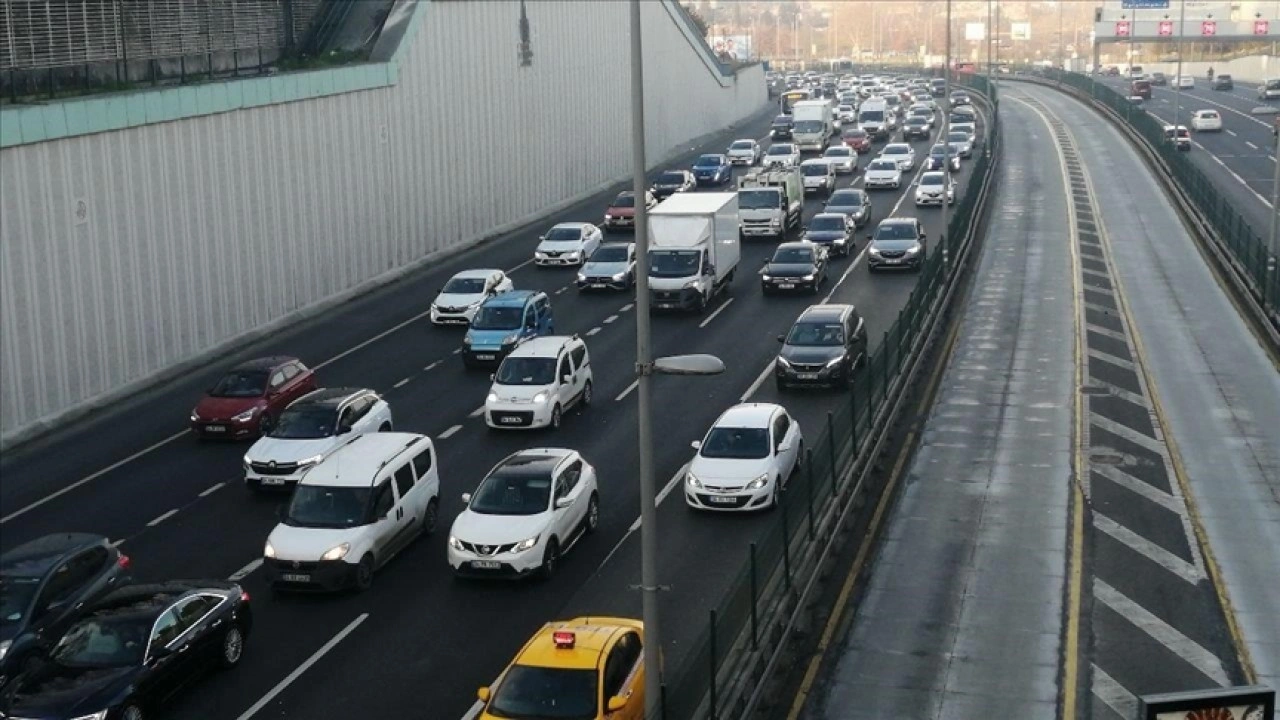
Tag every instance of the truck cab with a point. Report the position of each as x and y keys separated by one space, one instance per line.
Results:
x=813 y=124
x=693 y=250
x=770 y=203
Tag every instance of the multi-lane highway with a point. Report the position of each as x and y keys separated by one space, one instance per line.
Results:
x=419 y=642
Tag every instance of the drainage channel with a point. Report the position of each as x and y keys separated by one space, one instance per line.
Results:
x=1152 y=620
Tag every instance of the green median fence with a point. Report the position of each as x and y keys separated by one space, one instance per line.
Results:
x=773 y=574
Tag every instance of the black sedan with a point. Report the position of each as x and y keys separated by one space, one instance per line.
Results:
x=673 y=181
x=134 y=649
x=834 y=231
x=45 y=585
x=853 y=202
x=795 y=266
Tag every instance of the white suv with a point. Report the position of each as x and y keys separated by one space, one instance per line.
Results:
x=311 y=427
x=530 y=510
x=353 y=512
x=538 y=382
x=745 y=459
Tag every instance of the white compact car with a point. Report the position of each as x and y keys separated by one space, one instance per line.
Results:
x=744 y=152
x=901 y=153
x=969 y=129
x=308 y=430
x=1206 y=121
x=882 y=173
x=817 y=174
x=843 y=158
x=1185 y=82
x=459 y=299
x=929 y=191
x=538 y=382
x=353 y=512
x=847 y=113
x=745 y=459
x=785 y=155
x=529 y=511
x=569 y=243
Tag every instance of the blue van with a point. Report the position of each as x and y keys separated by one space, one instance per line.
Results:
x=503 y=322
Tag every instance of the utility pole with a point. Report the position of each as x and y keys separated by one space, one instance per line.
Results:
x=946 y=130
x=1177 y=83
x=1274 y=243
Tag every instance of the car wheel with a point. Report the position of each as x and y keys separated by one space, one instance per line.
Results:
x=232 y=647
x=364 y=573
x=586 y=394
x=555 y=418
x=131 y=712
x=550 y=560
x=592 y=522
x=384 y=427
x=773 y=499
x=431 y=517
x=782 y=387
x=265 y=423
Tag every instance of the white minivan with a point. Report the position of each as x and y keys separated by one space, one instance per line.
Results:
x=353 y=512
x=538 y=382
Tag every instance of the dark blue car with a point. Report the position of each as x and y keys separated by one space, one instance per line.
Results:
x=712 y=170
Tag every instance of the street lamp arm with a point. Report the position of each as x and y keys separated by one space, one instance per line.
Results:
x=689 y=365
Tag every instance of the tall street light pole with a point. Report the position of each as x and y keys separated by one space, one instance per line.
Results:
x=1177 y=82
x=1274 y=242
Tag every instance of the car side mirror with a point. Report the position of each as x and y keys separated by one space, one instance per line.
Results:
x=344 y=429
x=782 y=339
x=784 y=446
x=563 y=502
x=564 y=378
x=696 y=444
x=483 y=694
x=542 y=237
x=466 y=498
x=869 y=236
x=616 y=703
x=158 y=653
x=493 y=376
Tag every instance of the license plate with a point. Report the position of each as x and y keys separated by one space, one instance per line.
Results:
x=786 y=286
x=723 y=500
x=295 y=577
x=598 y=285
x=807 y=376
x=486 y=564
x=272 y=481
x=666 y=305
x=485 y=357
x=510 y=421
x=214 y=428
x=892 y=262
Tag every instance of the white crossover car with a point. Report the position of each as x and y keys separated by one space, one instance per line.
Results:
x=538 y=382
x=529 y=511
x=459 y=299
x=902 y=153
x=785 y=155
x=1206 y=121
x=569 y=243
x=843 y=158
x=882 y=173
x=744 y=152
x=745 y=459
x=929 y=191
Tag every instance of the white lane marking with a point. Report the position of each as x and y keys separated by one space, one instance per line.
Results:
x=1156 y=554
x=758 y=382
x=610 y=319
x=561 y=290
x=372 y=340
x=856 y=259
x=477 y=412
x=1246 y=142
x=1184 y=647
x=212 y=489
x=90 y=477
x=432 y=366
x=634 y=384
x=1234 y=174
x=449 y=433
x=402 y=383
x=627 y=307
x=1230 y=109
x=713 y=315
x=666 y=490
x=303 y=667
x=474 y=712
x=1106 y=689
x=156 y=521
x=118 y=543
x=1232 y=133
x=593 y=331
x=457 y=351
x=245 y=571
x=523 y=264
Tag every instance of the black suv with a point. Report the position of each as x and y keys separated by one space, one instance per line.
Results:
x=44 y=587
x=824 y=347
x=781 y=128
x=916 y=127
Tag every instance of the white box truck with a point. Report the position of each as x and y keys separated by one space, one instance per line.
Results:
x=812 y=124
x=693 y=249
x=770 y=202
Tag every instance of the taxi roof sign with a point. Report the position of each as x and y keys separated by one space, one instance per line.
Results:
x=564 y=639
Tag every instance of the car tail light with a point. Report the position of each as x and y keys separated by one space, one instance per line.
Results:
x=563 y=639
x=123 y=562
x=244 y=596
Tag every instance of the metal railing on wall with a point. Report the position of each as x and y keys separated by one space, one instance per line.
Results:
x=774 y=570
x=54 y=47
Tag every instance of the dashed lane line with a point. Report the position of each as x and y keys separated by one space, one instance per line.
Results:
x=593 y=331
x=402 y=383
x=449 y=433
x=634 y=384
x=627 y=307
x=1232 y=133
x=212 y=489
x=315 y=657
x=245 y=571
x=662 y=495
x=610 y=319
x=713 y=315
x=1246 y=142
x=477 y=412
x=457 y=351
x=161 y=518
x=432 y=366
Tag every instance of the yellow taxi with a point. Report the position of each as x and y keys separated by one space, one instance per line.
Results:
x=579 y=669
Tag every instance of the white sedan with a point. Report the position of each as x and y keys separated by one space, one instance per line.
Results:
x=529 y=511
x=568 y=243
x=901 y=153
x=843 y=158
x=459 y=299
x=744 y=152
x=1206 y=121
x=882 y=173
x=929 y=191
x=786 y=155
x=745 y=459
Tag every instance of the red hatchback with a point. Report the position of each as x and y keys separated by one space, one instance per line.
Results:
x=857 y=139
x=246 y=401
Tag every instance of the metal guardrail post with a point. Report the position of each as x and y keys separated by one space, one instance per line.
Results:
x=714 y=715
x=809 y=491
x=755 y=619
x=786 y=544
x=831 y=446
x=853 y=407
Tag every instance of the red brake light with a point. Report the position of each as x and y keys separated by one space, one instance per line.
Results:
x=563 y=639
x=123 y=561
x=244 y=596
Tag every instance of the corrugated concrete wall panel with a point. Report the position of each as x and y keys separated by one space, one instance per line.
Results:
x=127 y=253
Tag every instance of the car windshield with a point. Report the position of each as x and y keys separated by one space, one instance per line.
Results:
x=845 y=199
x=809 y=126
x=322 y=506
x=793 y=256
x=871 y=116
x=736 y=443
x=855 y=134
x=674 y=263
x=105 y=642
x=670 y=178
x=896 y=231
x=16 y=593
x=815 y=169
x=839 y=152
x=543 y=692
x=624 y=200
x=609 y=254
x=884 y=165
x=305 y=423
x=931 y=179
x=917 y=120
x=958 y=136
x=741 y=145
x=1209 y=115
x=708 y=161
x=758 y=199
x=563 y=234
x=827 y=223
x=896 y=150
x=497 y=318
x=782 y=120
x=783 y=149
x=813 y=334
x=464 y=286
x=526 y=371
x=512 y=494
x=241 y=383
x=940 y=150
x=1271 y=84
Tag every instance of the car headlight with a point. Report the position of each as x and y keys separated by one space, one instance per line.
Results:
x=476 y=304
x=100 y=715
x=766 y=277
x=807 y=278
x=776 y=222
x=268 y=551
x=834 y=361
x=195 y=417
x=245 y=416
x=693 y=480
x=873 y=250
x=526 y=544
x=511 y=339
x=540 y=397
x=607 y=216
x=455 y=543
x=914 y=250
x=308 y=462
x=690 y=285
x=337 y=552
x=539 y=254
x=582 y=277
x=839 y=241
x=618 y=276
x=491 y=397
x=466 y=339
x=782 y=362
x=758 y=482
x=4 y=648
